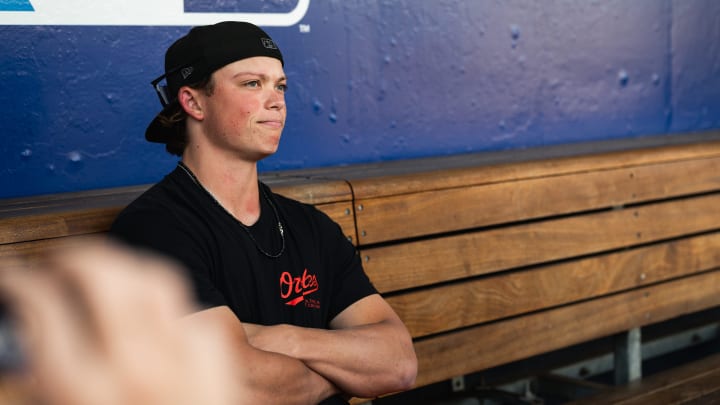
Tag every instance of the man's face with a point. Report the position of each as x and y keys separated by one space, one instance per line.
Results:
x=245 y=113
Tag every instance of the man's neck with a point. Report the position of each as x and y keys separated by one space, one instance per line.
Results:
x=232 y=182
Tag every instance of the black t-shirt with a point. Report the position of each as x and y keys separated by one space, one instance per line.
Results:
x=317 y=276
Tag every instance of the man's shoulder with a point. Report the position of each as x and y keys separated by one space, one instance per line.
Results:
x=298 y=209
x=165 y=214
x=164 y=201
x=154 y=198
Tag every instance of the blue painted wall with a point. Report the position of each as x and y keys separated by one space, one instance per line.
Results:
x=370 y=81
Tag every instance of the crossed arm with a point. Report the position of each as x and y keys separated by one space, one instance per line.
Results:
x=263 y=377
x=366 y=353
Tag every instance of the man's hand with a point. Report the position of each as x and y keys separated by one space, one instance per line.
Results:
x=99 y=325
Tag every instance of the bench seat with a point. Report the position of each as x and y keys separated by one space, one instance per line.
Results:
x=697 y=382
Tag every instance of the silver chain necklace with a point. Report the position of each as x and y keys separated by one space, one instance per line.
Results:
x=280 y=228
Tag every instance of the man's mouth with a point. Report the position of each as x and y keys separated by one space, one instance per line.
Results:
x=272 y=123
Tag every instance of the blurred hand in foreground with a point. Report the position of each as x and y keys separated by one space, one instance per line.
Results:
x=102 y=324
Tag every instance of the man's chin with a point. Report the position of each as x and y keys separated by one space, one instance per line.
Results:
x=266 y=154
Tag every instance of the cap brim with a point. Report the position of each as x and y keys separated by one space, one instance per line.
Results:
x=158 y=130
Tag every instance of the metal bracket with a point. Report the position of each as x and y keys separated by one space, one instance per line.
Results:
x=458 y=383
x=628 y=356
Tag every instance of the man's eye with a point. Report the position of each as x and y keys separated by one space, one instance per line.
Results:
x=282 y=87
x=252 y=83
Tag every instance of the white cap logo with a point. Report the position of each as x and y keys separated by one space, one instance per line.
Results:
x=268 y=43
x=185 y=72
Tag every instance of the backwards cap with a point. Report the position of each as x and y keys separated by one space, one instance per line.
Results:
x=196 y=56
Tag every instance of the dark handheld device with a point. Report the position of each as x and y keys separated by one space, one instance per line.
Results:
x=11 y=357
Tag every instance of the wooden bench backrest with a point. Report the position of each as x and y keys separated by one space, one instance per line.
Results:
x=30 y=227
x=488 y=262
x=491 y=264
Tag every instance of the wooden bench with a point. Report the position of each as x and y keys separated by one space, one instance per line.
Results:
x=492 y=258
x=696 y=382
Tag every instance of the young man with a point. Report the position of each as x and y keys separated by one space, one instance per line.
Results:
x=245 y=246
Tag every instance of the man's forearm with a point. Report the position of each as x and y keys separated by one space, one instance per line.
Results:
x=274 y=378
x=262 y=376
x=364 y=361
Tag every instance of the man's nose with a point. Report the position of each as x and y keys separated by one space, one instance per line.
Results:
x=276 y=99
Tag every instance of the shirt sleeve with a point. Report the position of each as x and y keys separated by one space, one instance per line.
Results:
x=350 y=283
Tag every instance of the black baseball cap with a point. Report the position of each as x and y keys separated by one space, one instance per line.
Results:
x=196 y=56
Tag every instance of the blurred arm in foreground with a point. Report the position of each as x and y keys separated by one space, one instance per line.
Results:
x=96 y=328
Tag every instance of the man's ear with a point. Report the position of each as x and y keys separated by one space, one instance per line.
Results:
x=190 y=102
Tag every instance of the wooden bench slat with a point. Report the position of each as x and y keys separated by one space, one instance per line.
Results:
x=32 y=252
x=704 y=373
x=412 y=176
x=310 y=191
x=72 y=201
x=446 y=210
x=460 y=305
x=417 y=263
x=453 y=354
x=696 y=388
x=415 y=175
x=706 y=399
x=20 y=229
